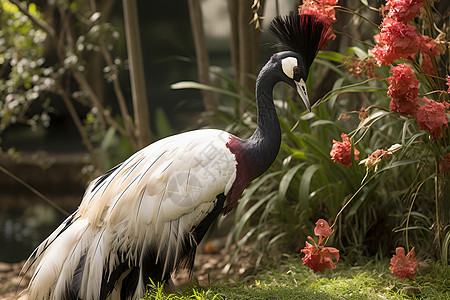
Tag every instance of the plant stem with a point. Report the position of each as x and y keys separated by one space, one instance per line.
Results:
x=349 y=200
x=33 y=19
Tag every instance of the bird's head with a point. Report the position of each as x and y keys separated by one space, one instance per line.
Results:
x=302 y=36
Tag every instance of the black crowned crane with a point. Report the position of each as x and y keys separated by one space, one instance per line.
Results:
x=145 y=217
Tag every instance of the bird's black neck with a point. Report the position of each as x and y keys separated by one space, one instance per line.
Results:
x=265 y=142
x=256 y=154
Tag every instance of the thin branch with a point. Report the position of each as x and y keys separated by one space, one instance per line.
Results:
x=349 y=200
x=350 y=11
x=73 y=113
x=85 y=86
x=353 y=38
x=36 y=192
x=128 y=121
x=33 y=19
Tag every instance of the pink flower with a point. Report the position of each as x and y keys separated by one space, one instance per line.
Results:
x=341 y=151
x=323 y=9
x=317 y=256
x=396 y=40
x=402 y=81
x=431 y=116
x=383 y=54
x=403 y=266
x=322 y=228
x=427 y=65
x=403 y=10
x=403 y=89
x=428 y=46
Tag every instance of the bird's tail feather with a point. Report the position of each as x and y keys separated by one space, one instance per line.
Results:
x=53 y=265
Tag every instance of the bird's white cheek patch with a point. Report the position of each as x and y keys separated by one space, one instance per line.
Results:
x=288 y=65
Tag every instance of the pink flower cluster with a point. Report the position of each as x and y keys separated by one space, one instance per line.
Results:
x=403 y=89
x=399 y=39
x=396 y=40
x=404 y=10
x=342 y=151
x=323 y=9
x=403 y=266
x=317 y=256
x=431 y=116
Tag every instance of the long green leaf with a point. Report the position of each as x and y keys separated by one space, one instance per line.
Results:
x=286 y=180
x=305 y=185
x=200 y=86
x=330 y=55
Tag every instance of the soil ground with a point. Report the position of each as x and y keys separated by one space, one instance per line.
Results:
x=209 y=265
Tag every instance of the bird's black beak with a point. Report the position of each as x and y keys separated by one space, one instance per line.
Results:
x=301 y=90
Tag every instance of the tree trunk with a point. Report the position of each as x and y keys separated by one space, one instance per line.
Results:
x=201 y=53
x=140 y=105
x=244 y=46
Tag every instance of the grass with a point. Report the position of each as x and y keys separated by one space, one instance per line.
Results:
x=295 y=281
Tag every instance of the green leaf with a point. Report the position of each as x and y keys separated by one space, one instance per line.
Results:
x=352 y=88
x=286 y=181
x=305 y=185
x=328 y=64
x=358 y=51
x=200 y=86
x=330 y=55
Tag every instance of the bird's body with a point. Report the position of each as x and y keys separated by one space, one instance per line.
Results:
x=145 y=217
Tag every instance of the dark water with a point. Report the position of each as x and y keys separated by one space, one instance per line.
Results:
x=22 y=230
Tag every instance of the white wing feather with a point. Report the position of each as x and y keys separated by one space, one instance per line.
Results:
x=177 y=178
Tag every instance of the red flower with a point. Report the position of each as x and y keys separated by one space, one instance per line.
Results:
x=428 y=46
x=403 y=266
x=427 y=65
x=323 y=9
x=322 y=228
x=341 y=151
x=396 y=40
x=403 y=10
x=403 y=89
x=318 y=257
x=402 y=81
x=431 y=116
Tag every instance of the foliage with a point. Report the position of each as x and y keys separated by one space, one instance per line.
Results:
x=291 y=280
x=396 y=198
x=22 y=72
x=50 y=61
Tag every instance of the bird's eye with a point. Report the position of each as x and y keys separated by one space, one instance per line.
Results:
x=296 y=70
